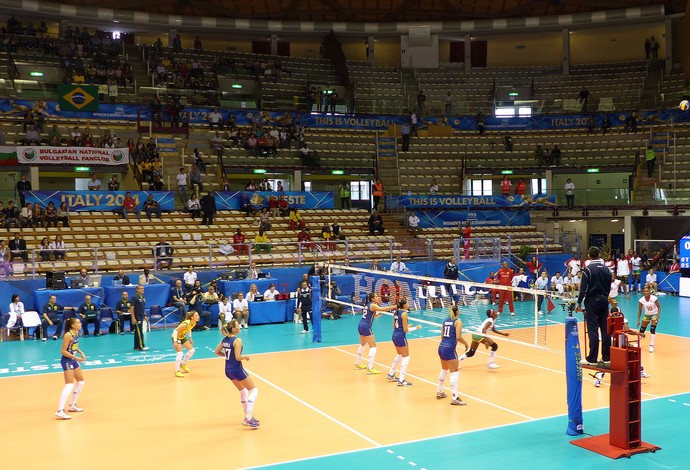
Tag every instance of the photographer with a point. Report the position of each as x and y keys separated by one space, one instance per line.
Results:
x=336 y=308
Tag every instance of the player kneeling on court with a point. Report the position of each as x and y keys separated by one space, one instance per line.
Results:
x=488 y=325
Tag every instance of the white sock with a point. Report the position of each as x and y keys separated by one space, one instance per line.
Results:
x=454 y=383
x=243 y=399
x=188 y=355
x=360 y=350
x=442 y=378
x=651 y=341
x=492 y=354
x=403 y=367
x=64 y=395
x=178 y=360
x=372 y=355
x=395 y=364
x=251 y=400
x=75 y=393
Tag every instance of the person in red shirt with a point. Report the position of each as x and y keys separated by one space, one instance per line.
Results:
x=493 y=293
x=505 y=277
x=397 y=292
x=385 y=292
x=283 y=206
x=466 y=233
x=505 y=186
x=674 y=268
x=304 y=237
x=534 y=266
x=520 y=188
x=129 y=205
x=238 y=243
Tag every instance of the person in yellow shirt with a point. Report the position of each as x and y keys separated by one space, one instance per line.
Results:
x=262 y=243
x=182 y=336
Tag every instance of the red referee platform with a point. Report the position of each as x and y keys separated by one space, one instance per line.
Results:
x=625 y=405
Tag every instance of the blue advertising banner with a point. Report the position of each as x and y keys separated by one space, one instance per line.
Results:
x=98 y=200
x=234 y=200
x=493 y=218
x=573 y=377
x=129 y=112
x=456 y=202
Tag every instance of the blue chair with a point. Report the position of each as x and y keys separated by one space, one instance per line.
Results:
x=106 y=312
x=156 y=315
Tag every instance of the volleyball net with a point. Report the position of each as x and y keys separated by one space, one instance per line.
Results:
x=430 y=299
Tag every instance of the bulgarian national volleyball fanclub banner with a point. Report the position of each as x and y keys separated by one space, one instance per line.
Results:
x=573 y=377
x=44 y=155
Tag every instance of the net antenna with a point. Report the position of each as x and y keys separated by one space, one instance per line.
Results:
x=429 y=299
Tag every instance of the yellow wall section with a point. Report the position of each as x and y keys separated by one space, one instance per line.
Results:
x=591 y=46
x=540 y=49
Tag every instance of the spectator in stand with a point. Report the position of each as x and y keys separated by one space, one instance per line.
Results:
x=238 y=243
x=433 y=187
x=466 y=233
x=215 y=119
x=376 y=224
x=197 y=44
x=194 y=206
x=584 y=99
x=182 y=185
x=539 y=156
x=421 y=102
x=113 y=184
x=26 y=216
x=32 y=136
x=63 y=214
x=304 y=239
x=163 y=253
x=605 y=124
x=378 y=192
x=262 y=242
x=650 y=156
x=414 y=121
x=508 y=142
x=250 y=185
x=283 y=207
x=480 y=123
x=570 y=193
x=11 y=215
x=17 y=248
x=555 y=156
x=208 y=208
x=413 y=223
x=505 y=186
x=23 y=186
x=198 y=161
x=51 y=215
x=674 y=267
x=94 y=184
x=55 y=137
x=156 y=184
x=405 y=133
x=195 y=180
x=58 y=248
x=152 y=207
x=520 y=187
x=296 y=220
x=129 y=206
x=44 y=249
x=344 y=192
x=225 y=185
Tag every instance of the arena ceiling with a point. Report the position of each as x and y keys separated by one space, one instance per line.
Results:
x=376 y=10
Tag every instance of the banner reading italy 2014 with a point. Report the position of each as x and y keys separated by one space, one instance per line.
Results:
x=72 y=155
x=99 y=200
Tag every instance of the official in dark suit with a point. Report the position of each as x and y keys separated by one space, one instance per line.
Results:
x=594 y=289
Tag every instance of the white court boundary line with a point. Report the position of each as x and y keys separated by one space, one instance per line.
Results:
x=508 y=410
x=313 y=408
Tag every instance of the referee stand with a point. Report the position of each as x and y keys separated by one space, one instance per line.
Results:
x=625 y=403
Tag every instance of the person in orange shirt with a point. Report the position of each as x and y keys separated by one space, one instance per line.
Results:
x=505 y=186
x=493 y=293
x=520 y=188
x=505 y=277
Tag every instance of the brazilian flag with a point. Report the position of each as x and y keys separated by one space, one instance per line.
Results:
x=78 y=97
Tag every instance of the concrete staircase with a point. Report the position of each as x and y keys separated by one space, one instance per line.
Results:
x=649 y=97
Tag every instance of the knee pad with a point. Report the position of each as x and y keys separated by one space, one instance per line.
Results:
x=470 y=353
x=643 y=328
x=652 y=330
x=494 y=347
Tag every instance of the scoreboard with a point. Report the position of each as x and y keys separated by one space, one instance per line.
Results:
x=685 y=252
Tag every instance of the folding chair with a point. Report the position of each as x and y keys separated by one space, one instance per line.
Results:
x=107 y=312
x=30 y=319
x=420 y=296
x=432 y=294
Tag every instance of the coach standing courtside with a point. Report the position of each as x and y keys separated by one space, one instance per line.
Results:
x=595 y=288
x=137 y=309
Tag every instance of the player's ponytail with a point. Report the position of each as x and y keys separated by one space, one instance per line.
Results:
x=228 y=327
x=454 y=310
x=401 y=303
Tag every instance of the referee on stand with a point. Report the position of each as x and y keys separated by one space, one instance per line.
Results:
x=595 y=288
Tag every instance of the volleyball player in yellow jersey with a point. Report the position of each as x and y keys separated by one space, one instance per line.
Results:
x=182 y=336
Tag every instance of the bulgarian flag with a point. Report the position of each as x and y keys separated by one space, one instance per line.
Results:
x=8 y=155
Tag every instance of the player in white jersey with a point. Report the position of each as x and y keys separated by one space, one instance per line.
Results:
x=557 y=283
x=487 y=326
x=623 y=272
x=652 y=311
x=636 y=267
x=615 y=287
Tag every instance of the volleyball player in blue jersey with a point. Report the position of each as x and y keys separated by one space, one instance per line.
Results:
x=451 y=335
x=231 y=349
x=71 y=357
x=400 y=328
x=366 y=335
